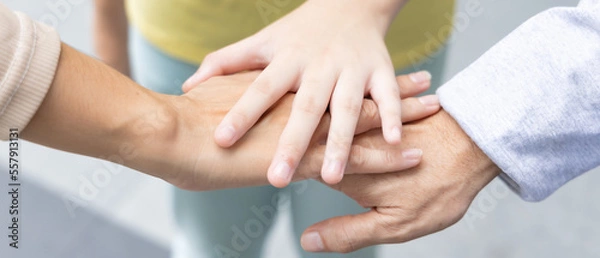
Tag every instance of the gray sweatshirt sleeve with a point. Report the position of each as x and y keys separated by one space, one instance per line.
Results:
x=532 y=102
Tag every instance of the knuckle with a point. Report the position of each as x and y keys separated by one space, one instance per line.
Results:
x=357 y=159
x=308 y=106
x=340 y=142
x=238 y=118
x=389 y=95
x=369 y=110
x=348 y=106
x=410 y=104
x=328 y=56
x=347 y=243
x=394 y=91
x=391 y=112
x=389 y=157
x=264 y=86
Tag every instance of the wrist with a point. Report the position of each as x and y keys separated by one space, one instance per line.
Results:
x=148 y=137
x=466 y=158
x=377 y=13
x=382 y=12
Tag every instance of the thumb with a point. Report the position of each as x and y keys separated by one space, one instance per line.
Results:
x=241 y=56
x=344 y=234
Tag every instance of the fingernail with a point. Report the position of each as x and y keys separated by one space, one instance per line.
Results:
x=190 y=81
x=333 y=168
x=430 y=100
x=312 y=242
x=283 y=171
x=412 y=154
x=195 y=78
x=396 y=133
x=226 y=133
x=420 y=77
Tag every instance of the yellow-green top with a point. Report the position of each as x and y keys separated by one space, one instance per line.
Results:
x=190 y=29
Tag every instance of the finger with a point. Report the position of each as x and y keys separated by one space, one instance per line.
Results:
x=370 y=154
x=237 y=57
x=365 y=160
x=413 y=84
x=345 y=108
x=320 y=134
x=346 y=233
x=386 y=94
x=309 y=106
x=270 y=85
x=414 y=109
x=369 y=117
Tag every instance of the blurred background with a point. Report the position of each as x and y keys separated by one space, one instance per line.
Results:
x=74 y=206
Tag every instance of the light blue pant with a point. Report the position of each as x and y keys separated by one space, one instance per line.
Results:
x=235 y=222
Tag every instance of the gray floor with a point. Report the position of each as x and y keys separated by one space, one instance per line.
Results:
x=50 y=231
x=129 y=216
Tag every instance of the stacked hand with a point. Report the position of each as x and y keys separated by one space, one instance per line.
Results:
x=405 y=204
x=203 y=165
x=169 y=137
x=329 y=52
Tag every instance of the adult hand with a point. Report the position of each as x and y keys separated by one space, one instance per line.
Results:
x=329 y=52
x=204 y=165
x=409 y=204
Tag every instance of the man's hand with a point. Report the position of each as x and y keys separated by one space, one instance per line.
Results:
x=203 y=165
x=412 y=203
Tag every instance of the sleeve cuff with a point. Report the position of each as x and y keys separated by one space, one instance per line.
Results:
x=30 y=74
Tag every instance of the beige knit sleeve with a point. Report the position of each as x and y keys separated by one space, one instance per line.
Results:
x=29 y=53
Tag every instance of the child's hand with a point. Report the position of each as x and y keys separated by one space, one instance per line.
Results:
x=332 y=53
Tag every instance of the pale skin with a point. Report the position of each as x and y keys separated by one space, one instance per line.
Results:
x=332 y=53
x=93 y=110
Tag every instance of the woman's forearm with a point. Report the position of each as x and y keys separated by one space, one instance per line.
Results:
x=93 y=110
